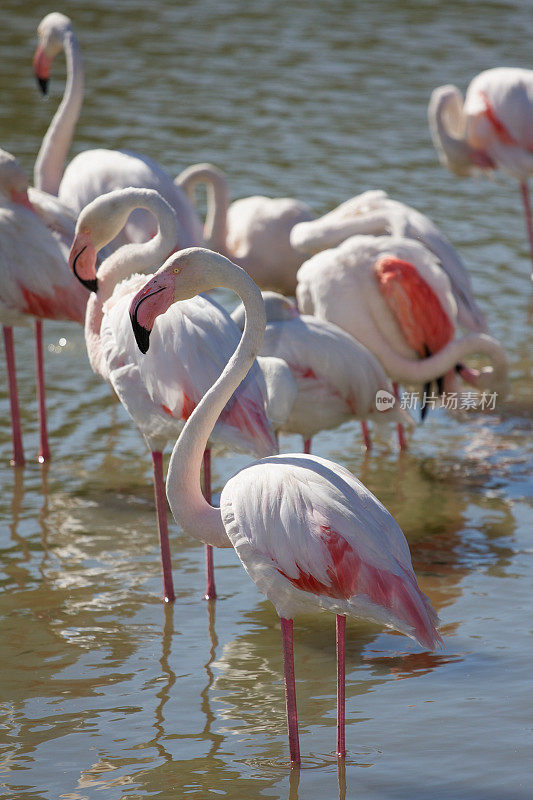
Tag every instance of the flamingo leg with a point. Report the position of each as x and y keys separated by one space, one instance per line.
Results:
x=162 y=527
x=307 y=446
x=210 y=591
x=44 y=450
x=18 y=451
x=366 y=434
x=401 y=435
x=341 y=675
x=529 y=218
x=290 y=690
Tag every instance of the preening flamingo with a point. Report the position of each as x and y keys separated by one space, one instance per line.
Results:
x=492 y=129
x=35 y=282
x=374 y=212
x=308 y=533
x=337 y=378
x=96 y=172
x=391 y=295
x=254 y=231
x=190 y=347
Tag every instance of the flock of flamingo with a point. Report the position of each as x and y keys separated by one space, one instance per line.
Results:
x=380 y=295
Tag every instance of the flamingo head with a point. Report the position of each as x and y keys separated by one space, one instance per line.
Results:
x=51 y=36
x=82 y=258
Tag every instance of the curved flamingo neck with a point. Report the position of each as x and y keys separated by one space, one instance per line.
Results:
x=197 y=517
x=127 y=260
x=458 y=152
x=215 y=226
x=50 y=162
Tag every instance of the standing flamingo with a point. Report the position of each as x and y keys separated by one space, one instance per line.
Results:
x=96 y=172
x=337 y=378
x=391 y=295
x=308 y=533
x=492 y=129
x=254 y=231
x=189 y=352
x=374 y=212
x=36 y=282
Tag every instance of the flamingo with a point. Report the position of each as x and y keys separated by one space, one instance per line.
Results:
x=308 y=533
x=254 y=231
x=492 y=129
x=337 y=378
x=374 y=212
x=390 y=294
x=190 y=347
x=95 y=172
x=36 y=282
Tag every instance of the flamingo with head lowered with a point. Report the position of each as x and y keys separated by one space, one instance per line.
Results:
x=96 y=172
x=190 y=347
x=308 y=533
x=375 y=213
x=35 y=284
x=391 y=294
x=254 y=231
x=492 y=129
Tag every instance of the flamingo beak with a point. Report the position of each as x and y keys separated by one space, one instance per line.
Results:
x=41 y=68
x=82 y=260
x=142 y=334
x=156 y=296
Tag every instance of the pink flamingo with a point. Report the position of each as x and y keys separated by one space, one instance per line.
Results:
x=374 y=212
x=254 y=231
x=189 y=350
x=492 y=129
x=95 y=172
x=308 y=533
x=391 y=295
x=36 y=282
x=337 y=378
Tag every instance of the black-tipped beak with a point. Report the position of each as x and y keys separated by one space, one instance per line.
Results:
x=142 y=335
x=90 y=283
x=43 y=85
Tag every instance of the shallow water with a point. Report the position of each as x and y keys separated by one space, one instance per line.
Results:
x=106 y=692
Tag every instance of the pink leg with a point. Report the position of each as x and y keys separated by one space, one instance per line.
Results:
x=44 y=450
x=366 y=434
x=307 y=446
x=210 y=591
x=401 y=434
x=161 y=510
x=529 y=219
x=18 y=450
x=290 y=690
x=341 y=673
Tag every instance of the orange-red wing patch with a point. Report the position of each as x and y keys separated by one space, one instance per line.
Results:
x=415 y=306
x=188 y=407
x=63 y=304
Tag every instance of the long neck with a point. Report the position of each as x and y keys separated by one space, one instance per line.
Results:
x=427 y=369
x=50 y=161
x=190 y=509
x=453 y=145
x=217 y=201
x=131 y=258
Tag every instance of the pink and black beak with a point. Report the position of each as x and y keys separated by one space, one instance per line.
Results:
x=142 y=334
x=82 y=262
x=153 y=299
x=41 y=68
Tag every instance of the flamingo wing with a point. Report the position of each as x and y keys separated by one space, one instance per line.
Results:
x=310 y=534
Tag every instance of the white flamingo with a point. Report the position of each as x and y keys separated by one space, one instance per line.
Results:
x=492 y=129
x=189 y=351
x=308 y=533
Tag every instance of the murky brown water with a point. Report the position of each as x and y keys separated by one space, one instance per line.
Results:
x=106 y=693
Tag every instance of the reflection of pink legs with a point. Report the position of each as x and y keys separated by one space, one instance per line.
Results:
x=162 y=527
x=210 y=591
x=366 y=435
x=44 y=450
x=401 y=435
x=341 y=673
x=18 y=450
x=290 y=690
x=529 y=219
x=307 y=446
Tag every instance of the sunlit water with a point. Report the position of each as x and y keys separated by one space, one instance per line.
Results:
x=104 y=691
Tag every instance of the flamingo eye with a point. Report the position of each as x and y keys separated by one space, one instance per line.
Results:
x=177 y=270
